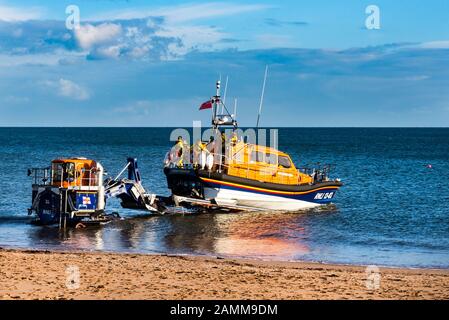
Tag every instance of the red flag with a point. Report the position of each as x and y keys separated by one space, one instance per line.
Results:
x=206 y=105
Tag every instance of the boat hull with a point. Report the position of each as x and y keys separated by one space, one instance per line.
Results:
x=226 y=193
x=229 y=190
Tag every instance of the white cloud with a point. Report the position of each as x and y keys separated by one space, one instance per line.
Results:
x=89 y=35
x=192 y=37
x=175 y=25
x=142 y=107
x=183 y=13
x=7 y=60
x=72 y=90
x=19 y=14
x=39 y=59
x=114 y=40
x=108 y=52
x=168 y=32
x=444 y=44
x=139 y=52
x=206 y=10
x=68 y=88
x=269 y=40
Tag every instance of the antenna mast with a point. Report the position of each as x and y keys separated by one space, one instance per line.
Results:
x=235 y=108
x=221 y=119
x=224 y=96
x=216 y=103
x=261 y=96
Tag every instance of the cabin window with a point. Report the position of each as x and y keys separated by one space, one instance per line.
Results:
x=57 y=170
x=257 y=156
x=271 y=158
x=64 y=170
x=284 y=161
x=69 y=172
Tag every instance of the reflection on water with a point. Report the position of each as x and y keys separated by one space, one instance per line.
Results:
x=262 y=235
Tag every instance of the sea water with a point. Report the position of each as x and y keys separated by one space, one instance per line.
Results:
x=392 y=210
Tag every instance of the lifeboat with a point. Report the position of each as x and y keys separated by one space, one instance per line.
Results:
x=72 y=192
x=242 y=174
x=69 y=191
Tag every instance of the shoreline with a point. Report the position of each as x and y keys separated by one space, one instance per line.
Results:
x=44 y=274
x=255 y=260
x=5 y=248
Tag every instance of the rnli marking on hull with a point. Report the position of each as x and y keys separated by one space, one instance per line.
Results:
x=265 y=190
x=324 y=196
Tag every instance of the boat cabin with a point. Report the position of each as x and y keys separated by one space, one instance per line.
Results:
x=264 y=164
x=75 y=172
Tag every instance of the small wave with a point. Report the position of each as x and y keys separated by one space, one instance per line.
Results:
x=391 y=244
x=15 y=219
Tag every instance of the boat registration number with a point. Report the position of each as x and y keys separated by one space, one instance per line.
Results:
x=324 y=195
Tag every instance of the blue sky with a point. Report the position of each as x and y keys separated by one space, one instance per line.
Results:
x=151 y=63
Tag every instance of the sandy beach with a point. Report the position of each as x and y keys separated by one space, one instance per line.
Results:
x=28 y=274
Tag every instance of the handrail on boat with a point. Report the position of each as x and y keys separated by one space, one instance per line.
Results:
x=81 y=178
x=267 y=173
x=86 y=178
x=40 y=176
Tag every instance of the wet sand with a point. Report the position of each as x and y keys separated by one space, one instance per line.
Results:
x=28 y=274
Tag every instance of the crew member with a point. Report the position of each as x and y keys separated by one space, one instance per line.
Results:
x=198 y=149
x=178 y=151
x=212 y=148
x=211 y=145
x=223 y=147
x=234 y=138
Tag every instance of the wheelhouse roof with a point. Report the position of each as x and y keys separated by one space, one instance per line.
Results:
x=265 y=149
x=76 y=160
